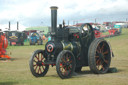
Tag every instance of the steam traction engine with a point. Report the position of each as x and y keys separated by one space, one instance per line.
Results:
x=3 y=46
x=16 y=38
x=70 y=49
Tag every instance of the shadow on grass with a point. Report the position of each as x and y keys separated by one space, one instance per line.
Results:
x=55 y=76
x=88 y=73
x=8 y=83
x=6 y=60
x=85 y=72
x=119 y=70
x=13 y=59
x=82 y=73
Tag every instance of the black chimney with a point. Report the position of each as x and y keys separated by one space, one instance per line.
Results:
x=17 y=25
x=9 y=26
x=53 y=19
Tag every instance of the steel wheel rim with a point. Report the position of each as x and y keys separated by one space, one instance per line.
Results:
x=66 y=64
x=38 y=63
x=102 y=56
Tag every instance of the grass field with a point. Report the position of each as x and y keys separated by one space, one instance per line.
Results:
x=16 y=71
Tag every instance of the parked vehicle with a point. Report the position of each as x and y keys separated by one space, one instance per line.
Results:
x=16 y=37
x=35 y=38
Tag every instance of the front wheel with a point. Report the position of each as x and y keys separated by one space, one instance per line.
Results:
x=36 y=63
x=65 y=64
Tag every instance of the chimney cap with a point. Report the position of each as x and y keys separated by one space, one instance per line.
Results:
x=54 y=7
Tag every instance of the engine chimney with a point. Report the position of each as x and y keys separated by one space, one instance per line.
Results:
x=17 y=25
x=9 y=26
x=53 y=20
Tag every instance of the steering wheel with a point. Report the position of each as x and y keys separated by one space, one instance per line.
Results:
x=87 y=30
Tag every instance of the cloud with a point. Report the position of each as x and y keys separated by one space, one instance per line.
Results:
x=13 y=27
x=37 y=12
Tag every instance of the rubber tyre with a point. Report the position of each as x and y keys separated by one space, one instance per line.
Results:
x=92 y=56
x=59 y=57
x=31 y=64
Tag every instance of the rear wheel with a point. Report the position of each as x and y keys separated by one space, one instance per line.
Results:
x=99 y=56
x=37 y=66
x=65 y=64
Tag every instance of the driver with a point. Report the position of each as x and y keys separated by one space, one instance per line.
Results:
x=85 y=28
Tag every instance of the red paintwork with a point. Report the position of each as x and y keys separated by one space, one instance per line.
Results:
x=51 y=49
x=97 y=34
x=76 y=35
x=112 y=31
x=3 y=46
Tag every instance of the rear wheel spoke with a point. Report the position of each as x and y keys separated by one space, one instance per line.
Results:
x=102 y=67
x=106 y=61
x=106 y=52
x=98 y=61
x=102 y=47
x=98 y=67
x=98 y=49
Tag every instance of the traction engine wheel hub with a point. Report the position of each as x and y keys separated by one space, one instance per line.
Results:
x=39 y=63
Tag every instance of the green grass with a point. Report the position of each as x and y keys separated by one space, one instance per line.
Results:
x=16 y=71
x=105 y=33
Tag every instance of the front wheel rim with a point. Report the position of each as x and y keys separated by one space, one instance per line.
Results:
x=38 y=63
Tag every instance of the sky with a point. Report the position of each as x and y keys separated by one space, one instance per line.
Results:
x=31 y=13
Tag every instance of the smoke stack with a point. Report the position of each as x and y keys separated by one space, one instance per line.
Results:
x=17 y=25
x=53 y=19
x=9 y=26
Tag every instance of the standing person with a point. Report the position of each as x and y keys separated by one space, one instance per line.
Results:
x=49 y=38
x=43 y=37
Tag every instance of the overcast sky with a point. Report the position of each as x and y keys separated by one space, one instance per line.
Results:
x=37 y=12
